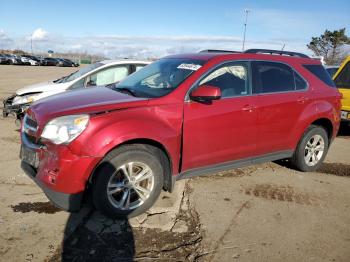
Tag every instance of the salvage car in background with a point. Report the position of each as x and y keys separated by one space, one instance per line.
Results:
x=28 y=61
x=67 y=62
x=14 y=60
x=98 y=74
x=4 y=60
x=342 y=81
x=49 y=61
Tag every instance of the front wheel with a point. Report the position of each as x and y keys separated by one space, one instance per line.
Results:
x=311 y=150
x=128 y=181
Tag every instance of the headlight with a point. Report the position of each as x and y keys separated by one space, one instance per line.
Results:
x=25 y=99
x=64 y=129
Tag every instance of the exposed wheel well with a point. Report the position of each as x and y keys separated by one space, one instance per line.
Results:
x=326 y=124
x=163 y=155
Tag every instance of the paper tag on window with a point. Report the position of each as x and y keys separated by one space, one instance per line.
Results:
x=192 y=67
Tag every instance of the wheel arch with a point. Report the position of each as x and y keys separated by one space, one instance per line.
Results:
x=327 y=125
x=158 y=148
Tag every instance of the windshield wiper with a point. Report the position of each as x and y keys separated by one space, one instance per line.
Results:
x=125 y=90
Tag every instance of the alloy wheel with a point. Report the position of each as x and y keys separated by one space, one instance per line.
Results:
x=314 y=150
x=130 y=186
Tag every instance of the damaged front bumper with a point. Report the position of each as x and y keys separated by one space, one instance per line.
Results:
x=10 y=109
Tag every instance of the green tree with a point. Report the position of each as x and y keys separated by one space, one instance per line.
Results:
x=330 y=45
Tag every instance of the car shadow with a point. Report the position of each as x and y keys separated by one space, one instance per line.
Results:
x=344 y=130
x=90 y=236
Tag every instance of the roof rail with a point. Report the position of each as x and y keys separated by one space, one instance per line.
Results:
x=217 y=51
x=275 y=52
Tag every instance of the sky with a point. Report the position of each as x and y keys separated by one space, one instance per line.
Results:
x=155 y=28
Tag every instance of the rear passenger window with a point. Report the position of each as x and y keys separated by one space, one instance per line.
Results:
x=320 y=73
x=273 y=77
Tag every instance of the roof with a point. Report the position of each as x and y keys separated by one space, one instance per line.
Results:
x=236 y=56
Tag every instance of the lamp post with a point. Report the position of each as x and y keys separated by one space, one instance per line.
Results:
x=245 y=26
x=31 y=43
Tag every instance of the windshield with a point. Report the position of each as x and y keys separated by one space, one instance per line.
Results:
x=78 y=73
x=159 y=78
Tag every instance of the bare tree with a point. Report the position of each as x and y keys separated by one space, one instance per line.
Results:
x=329 y=45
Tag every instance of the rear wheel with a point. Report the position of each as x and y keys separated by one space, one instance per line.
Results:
x=128 y=181
x=311 y=150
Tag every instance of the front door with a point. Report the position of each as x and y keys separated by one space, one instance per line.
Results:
x=225 y=129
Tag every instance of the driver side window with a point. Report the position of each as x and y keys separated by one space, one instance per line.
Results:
x=232 y=79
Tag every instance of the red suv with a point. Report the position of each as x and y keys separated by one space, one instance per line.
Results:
x=179 y=117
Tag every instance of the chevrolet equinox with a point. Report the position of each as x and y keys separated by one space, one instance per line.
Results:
x=179 y=117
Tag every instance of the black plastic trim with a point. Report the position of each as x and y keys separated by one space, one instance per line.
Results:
x=234 y=164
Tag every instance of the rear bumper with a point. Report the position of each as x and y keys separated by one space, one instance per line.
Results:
x=68 y=202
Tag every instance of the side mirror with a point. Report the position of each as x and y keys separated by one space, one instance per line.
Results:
x=205 y=93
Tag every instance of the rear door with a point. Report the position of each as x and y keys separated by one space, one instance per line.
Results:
x=281 y=97
x=224 y=129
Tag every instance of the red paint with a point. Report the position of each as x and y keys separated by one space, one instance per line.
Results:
x=198 y=134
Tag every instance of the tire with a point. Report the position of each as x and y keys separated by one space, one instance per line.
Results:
x=125 y=198
x=308 y=155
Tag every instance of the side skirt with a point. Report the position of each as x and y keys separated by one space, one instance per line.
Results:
x=207 y=170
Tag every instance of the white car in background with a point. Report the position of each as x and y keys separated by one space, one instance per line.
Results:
x=28 y=61
x=97 y=74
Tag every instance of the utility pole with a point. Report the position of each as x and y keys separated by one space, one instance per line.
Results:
x=31 y=43
x=245 y=26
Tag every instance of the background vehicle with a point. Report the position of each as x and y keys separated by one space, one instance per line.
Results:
x=98 y=74
x=4 y=59
x=31 y=60
x=68 y=62
x=14 y=60
x=342 y=81
x=332 y=70
x=49 y=61
x=179 y=117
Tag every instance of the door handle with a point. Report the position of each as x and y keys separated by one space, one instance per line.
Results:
x=248 y=108
x=302 y=100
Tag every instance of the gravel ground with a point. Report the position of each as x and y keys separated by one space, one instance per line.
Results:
x=265 y=212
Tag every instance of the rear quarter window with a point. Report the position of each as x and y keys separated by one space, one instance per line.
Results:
x=320 y=73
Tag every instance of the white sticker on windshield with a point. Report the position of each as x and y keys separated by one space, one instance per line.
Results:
x=192 y=67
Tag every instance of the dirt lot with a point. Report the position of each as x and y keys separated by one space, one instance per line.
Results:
x=261 y=213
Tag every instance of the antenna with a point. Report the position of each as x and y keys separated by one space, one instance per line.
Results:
x=245 y=26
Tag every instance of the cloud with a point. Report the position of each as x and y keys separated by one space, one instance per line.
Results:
x=5 y=40
x=40 y=35
x=122 y=46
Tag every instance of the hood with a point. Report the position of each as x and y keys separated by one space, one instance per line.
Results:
x=91 y=100
x=40 y=87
